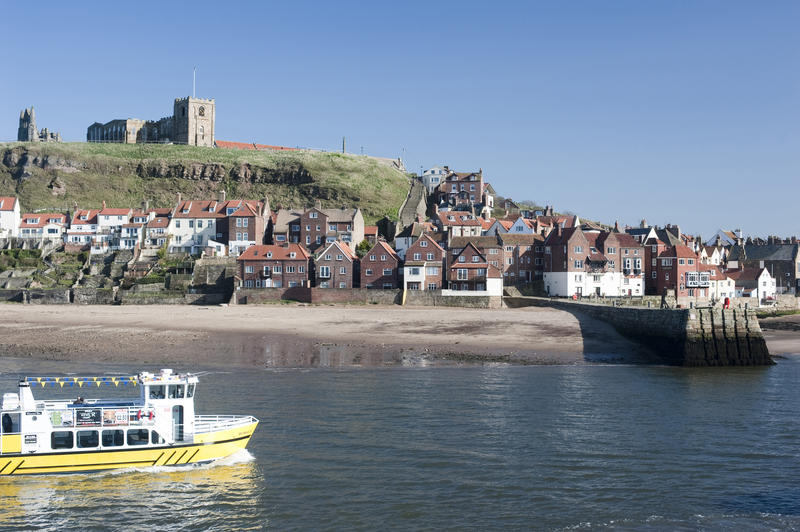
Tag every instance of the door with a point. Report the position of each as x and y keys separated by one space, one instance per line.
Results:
x=597 y=290
x=177 y=422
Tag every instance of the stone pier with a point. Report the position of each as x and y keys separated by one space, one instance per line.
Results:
x=683 y=337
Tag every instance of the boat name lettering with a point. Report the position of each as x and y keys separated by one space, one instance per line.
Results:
x=30 y=438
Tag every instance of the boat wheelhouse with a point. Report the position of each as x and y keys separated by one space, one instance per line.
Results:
x=159 y=427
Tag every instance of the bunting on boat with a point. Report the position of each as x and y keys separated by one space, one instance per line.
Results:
x=83 y=381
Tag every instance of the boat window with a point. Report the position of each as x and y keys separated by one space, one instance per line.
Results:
x=157 y=392
x=61 y=439
x=10 y=423
x=113 y=438
x=88 y=438
x=176 y=391
x=190 y=391
x=138 y=436
x=155 y=438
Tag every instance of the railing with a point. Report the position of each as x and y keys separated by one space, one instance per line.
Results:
x=203 y=424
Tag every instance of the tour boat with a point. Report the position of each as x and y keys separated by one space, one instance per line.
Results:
x=157 y=428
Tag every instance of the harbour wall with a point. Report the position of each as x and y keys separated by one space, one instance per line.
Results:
x=683 y=337
x=362 y=296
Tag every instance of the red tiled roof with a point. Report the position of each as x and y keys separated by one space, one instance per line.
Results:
x=234 y=145
x=261 y=252
x=158 y=221
x=681 y=252
x=114 y=212
x=385 y=247
x=91 y=217
x=138 y=226
x=746 y=274
x=7 y=203
x=459 y=218
x=370 y=230
x=342 y=246
x=41 y=219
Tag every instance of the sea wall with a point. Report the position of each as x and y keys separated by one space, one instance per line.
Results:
x=362 y=296
x=684 y=337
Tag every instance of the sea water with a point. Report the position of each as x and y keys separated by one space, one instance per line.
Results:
x=488 y=447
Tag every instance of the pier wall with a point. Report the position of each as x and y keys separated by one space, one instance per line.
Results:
x=684 y=337
x=363 y=296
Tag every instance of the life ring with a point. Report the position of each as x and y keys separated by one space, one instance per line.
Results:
x=139 y=415
x=152 y=415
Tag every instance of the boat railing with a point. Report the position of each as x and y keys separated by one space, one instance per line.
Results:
x=204 y=424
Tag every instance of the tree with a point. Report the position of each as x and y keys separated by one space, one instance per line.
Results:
x=363 y=248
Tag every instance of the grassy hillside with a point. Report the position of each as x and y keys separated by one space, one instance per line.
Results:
x=55 y=176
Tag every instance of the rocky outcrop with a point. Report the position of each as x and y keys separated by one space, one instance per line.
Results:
x=20 y=162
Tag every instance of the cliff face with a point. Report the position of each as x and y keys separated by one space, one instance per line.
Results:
x=57 y=177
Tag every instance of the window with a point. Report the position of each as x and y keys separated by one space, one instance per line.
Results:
x=248 y=283
x=199 y=224
x=312 y=215
x=578 y=249
x=461 y=274
x=655 y=262
x=175 y=391
x=666 y=276
x=328 y=256
x=383 y=257
x=417 y=256
x=547 y=250
x=432 y=270
x=462 y=258
x=292 y=254
x=339 y=257
x=319 y=240
x=482 y=272
x=191 y=223
x=138 y=436
x=177 y=224
x=88 y=438
x=431 y=286
x=155 y=438
x=290 y=269
x=387 y=271
x=342 y=285
x=301 y=269
x=635 y=251
x=429 y=256
x=332 y=227
x=266 y=271
x=654 y=275
x=244 y=222
x=681 y=262
x=308 y=240
x=691 y=262
x=368 y=272
x=113 y=438
x=61 y=439
x=317 y=228
x=423 y=243
x=343 y=271
x=476 y=258
x=248 y=269
x=625 y=251
x=238 y=222
x=494 y=251
x=579 y=264
x=510 y=261
x=308 y=228
x=372 y=258
x=610 y=251
x=538 y=262
x=324 y=271
x=277 y=269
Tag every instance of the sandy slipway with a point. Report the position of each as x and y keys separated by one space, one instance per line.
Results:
x=309 y=336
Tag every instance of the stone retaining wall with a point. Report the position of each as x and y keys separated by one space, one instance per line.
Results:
x=362 y=296
x=685 y=337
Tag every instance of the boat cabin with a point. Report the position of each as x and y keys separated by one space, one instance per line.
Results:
x=162 y=414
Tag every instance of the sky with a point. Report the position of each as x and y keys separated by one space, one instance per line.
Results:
x=676 y=112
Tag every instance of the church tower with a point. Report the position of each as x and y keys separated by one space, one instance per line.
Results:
x=193 y=121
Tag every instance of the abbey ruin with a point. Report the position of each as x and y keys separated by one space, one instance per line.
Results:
x=27 y=131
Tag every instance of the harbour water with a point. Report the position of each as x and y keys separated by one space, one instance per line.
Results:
x=493 y=447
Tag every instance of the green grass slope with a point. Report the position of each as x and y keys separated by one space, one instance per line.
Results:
x=56 y=176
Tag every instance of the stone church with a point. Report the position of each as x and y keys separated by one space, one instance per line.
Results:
x=192 y=123
x=27 y=131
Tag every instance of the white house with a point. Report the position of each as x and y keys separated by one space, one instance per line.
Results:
x=192 y=225
x=432 y=177
x=756 y=283
x=9 y=216
x=43 y=226
x=83 y=228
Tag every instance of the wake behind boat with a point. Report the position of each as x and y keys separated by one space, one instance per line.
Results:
x=159 y=427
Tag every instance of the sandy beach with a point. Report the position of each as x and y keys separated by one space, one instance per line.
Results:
x=309 y=336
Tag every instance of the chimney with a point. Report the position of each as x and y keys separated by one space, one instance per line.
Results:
x=221 y=195
x=179 y=198
x=616 y=226
x=793 y=240
x=738 y=233
x=265 y=207
x=446 y=168
x=317 y=204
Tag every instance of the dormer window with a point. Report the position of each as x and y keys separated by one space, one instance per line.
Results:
x=84 y=217
x=269 y=254
x=476 y=258
x=292 y=255
x=462 y=258
x=230 y=210
x=451 y=218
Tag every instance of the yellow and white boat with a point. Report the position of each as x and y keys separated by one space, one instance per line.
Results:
x=156 y=429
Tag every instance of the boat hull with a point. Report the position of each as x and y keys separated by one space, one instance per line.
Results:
x=206 y=447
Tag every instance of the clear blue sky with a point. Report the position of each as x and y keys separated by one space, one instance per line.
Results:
x=678 y=112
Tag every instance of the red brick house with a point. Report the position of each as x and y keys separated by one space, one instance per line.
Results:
x=336 y=266
x=653 y=247
x=471 y=271
x=523 y=257
x=270 y=266
x=379 y=267
x=424 y=265
x=674 y=264
x=319 y=227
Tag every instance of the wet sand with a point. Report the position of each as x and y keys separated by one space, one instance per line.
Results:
x=309 y=336
x=782 y=334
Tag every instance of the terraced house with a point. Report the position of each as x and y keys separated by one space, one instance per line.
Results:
x=470 y=271
x=319 y=227
x=335 y=266
x=43 y=226
x=274 y=266
x=379 y=267
x=424 y=265
x=9 y=216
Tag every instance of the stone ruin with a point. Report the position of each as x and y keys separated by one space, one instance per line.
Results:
x=27 y=131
